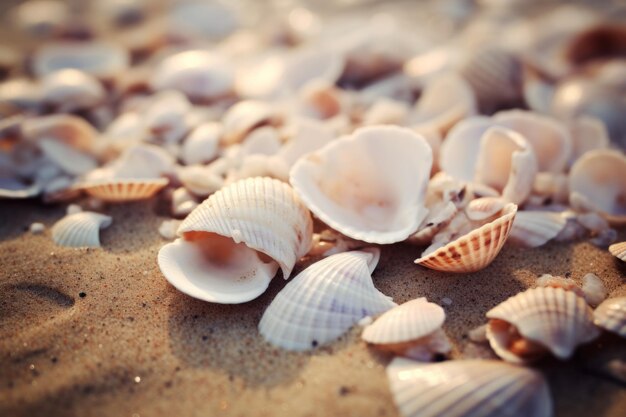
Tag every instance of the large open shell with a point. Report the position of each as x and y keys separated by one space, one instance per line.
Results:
x=80 y=229
x=369 y=186
x=536 y=228
x=611 y=315
x=618 y=250
x=475 y=250
x=467 y=388
x=538 y=320
x=233 y=243
x=324 y=301
x=597 y=182
x=459 y=151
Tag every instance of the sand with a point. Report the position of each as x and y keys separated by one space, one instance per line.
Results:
x=99 y=332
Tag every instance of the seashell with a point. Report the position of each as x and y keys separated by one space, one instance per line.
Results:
x=465 y=388
x=618 y=250
x=320 y=99
x=200 y=75
x=611 y=315
x=120 y=190
x=68 y=159
x=20 y=92
x=141 y=161
x=324 y=301
x=460 y=149
x=594 y=289
x=196 y=19
x=70 y=90
x=307 y=136
x=588 y=133
x=540 y=320
x=246 y=116
x=183 y=202
x=165 y=116
x=439 y=215
x=200 y=180
x=482 y=208
x=386 y=111
x=41 y=18
x=259 y=165
x=506 y=162
x=412 y=329
x=536 y=228
x=15 y=189
x=551 y=186
x=568 y=284
x=550 y=140
x=80 y=229
x=100 y=59
x=36 y=228
x=262 y=141
x=168 y=228
x=597 y=182
x=201 y=145
x=474 y=250
x=362 y=200
x=71 y=130
x=233 y=243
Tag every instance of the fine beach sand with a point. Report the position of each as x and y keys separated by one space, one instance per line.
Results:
x=132 y=345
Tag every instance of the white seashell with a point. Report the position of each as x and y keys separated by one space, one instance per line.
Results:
x=168 y=228
x=324 y=301
x=100 y=59
x=201 y=145
x=200 y=75
x=200 y=180
x=61 y=188
x=532 y=322
x=182 y=202
x=439 y=215
x=478 y=334
x=307 y=136
x=472 y=251
x=611 y=315
x=320 y=99
x=592 y=222
x=41 y=18
x=345 y=185
x=552 y=185
x=13 y=188
x=461 y=147
x=165 y=116
x=67 y=158
x=73 y=209
x=124 y=131
x=20 y=92
x=618 y=250
x=597 y=182
x=233 y=243
x=588 y=133
x=246 y=116
x=594 y=289
x=120 y=190
x=69 y=129
x=36 y=228
x=568 y=284
x=80 y=229
x=262 y=141
x=386 y=111
x=465 y=388
x=141 y=161
x=69 y=90
x=482 y=208
x=536 y=228
x=259 y=165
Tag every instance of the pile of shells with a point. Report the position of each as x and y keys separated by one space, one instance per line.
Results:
x=324 y=141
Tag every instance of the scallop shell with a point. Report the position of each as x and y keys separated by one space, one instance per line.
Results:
x=541 y=319
x=346 y=186
x=467 y=388
x=80 y=229
x=324 y=301
x=598 y=182
x=123 y=190
x=475 y=250
x=536 y=228
x=233 y=243
x=611 y=315
x=245 y=116
x=618 y=250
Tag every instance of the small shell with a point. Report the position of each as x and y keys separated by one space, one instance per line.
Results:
x=165 y=116
x=594 y=289
x=246 y=116
x=467 y=388
x=346 y=186
x=200 y=180
x=80 y=229
x=123 y=190
x=100 y=59
x=168 y=228
x=475 y=250
x=386 y=111
x=69 y=129
x=324 y=301
x=536 y=228
x=14 y=189
x=568 y=284
x=70 y=90
x=532 y=322
x=597 y=182
x=201 y=145
x=611 y=315
x=483 y=208
x=618 y=250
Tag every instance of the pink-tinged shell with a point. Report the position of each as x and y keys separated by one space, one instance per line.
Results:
x=123 y=190
x=618 y=250
x=467 y=388
x=553 y=318
x=460 y=149
x=484 y=207
x=80 y=229
x=611 y=315
x=536 y=228
x=475 y=250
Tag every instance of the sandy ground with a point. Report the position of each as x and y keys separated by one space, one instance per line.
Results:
x=100 y=332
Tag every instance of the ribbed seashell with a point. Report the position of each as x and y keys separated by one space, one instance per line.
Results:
x=70 y=90
x=245 y=116
x=407 y=328
x=121 y=190
x=80 y=229
x=361 y=199
x=233 y=243
x=536 y=228
x=200 y=75
x=540 y=320
x=467 y=388
x=100 y=59
x=324 y=301
x=618 y=250
x=483 y=208
x=597 y=182
x=588 y=133
x=474 y=250
x=611 y=315
x=201 y=145
x=69 y=129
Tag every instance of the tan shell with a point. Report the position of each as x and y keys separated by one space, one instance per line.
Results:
x=618 y=250
x=475 y=250
x=122 y=190
x=611 y=315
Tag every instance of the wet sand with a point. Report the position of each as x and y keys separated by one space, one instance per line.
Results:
x=100 y=332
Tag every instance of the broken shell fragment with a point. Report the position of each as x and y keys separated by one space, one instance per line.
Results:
x=611 y=315
x=80 y=230
x=536 y=228
x=618 y=250
x=537 y=321
x=324 y=301
x=467 y=388
x=233 y=243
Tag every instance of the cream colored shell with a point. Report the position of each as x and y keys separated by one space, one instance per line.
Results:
x=80 y=229
x=611 y=315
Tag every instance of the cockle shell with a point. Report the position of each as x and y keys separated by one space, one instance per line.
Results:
x=70 y=90
x=245 y=116
x=232 y=244
x=80 y=229
x=324 y=301
x=536 y=228
x=475 y=250
x=369 y=186
x=611 y=315
x=467 y=388
x=122 y=190
x=597 y=182
x=539 y=320
x=618 y=250
x=100 y=59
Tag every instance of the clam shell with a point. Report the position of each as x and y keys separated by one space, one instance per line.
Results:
x=123 y=190
x=556 y=319
x=475 y=250
x=618 y=250
x=324 y=301
x=67 y=158
x=346 y=186
x=536 y=228
x=80 y=229
x=245 y=116
x=467 y=388
x=611 y=315
x=459 y=151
